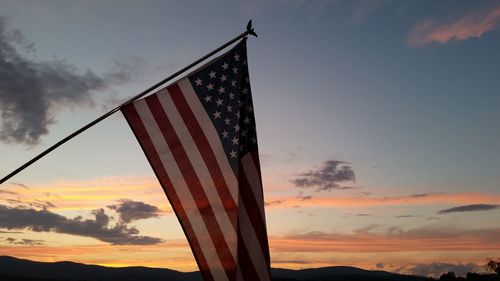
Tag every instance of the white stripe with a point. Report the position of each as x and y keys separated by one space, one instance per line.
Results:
x=185 y=197
x=250 y=170
x=252 y=244
x=212 y=136
x=201 y=171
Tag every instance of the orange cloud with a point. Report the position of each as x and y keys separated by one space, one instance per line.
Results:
x=393 y=240
x=416 y=199
x=472 y=25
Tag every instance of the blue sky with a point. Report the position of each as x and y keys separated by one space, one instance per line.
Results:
x=406 y=92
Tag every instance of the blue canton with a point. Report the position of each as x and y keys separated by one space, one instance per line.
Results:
x=223 y=88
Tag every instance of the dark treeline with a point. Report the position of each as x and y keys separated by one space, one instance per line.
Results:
x=470 y=276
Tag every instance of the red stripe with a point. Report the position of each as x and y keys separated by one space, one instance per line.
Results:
x=206 y=151
x=142 y=136
x=245 y=262
x=193 y=184
x=254 y=214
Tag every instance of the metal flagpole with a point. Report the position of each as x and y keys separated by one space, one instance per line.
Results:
x=249 y=31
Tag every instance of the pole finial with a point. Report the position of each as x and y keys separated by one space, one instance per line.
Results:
x=250 y=29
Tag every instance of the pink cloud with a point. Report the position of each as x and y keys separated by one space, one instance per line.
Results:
x=472 y=25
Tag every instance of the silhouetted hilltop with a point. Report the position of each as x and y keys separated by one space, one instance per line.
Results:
x=13 y=269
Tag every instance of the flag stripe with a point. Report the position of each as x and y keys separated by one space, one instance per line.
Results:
x=193 y=184
x=244 y=262
x=254 y=215
x=208 y=154
x=201 y=169
x=212 y=136
x=209 y=250
x=255 y=248
x=253 y=178
x=149 y=149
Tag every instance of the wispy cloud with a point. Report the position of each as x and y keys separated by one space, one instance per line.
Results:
x=371 y=201
x=470 y=25
x=98 y=227
x=327 y=177
x=394 y=239
x=30 y=90
x=470 y=208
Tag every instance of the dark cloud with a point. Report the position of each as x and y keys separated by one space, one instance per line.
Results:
x=436 y=269
x=327 y=177
x=29 y=242
x=303 y=197
x=31 y=90
x=98 y=228
x=275 y=202
x=407 y=216
x=380 y=265
x=470 y=208
x=129 y=210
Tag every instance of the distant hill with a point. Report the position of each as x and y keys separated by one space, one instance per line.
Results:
x=14 y=269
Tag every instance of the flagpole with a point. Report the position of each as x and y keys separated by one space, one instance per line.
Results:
x=249 y=31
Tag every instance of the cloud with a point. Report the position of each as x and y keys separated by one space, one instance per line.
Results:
x=471 y=25
x=274 y=202
x=19 y=184
x=327 y=177
x=8 y=192
x=363 y=9
x=29 y=242
x=129 y=210
x=46 y=221
x=470 y=208
x=372 y=201
x=436 y=269
x=375 y=238
x=380 y=265
x=31 y=90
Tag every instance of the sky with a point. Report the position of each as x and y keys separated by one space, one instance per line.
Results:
x=377 y=129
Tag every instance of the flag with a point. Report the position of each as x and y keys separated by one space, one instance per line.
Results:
x=199 y=136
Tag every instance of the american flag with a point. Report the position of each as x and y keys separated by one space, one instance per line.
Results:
x=199 y=136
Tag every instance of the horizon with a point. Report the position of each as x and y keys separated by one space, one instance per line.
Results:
x=377 y=129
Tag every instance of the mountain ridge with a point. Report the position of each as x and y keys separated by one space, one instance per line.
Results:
x=12 y=268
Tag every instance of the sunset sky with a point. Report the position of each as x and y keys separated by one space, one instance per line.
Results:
x=403 y=95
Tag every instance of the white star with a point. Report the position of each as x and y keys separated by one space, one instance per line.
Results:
x=238 y=115
x=233 y=154
x=246 y=120
x=229 y=108
x=227 y=121
x=225 y=66
x=236 y=128
x=242 y=147
x=254 y=140
x=223 y=78
x=236 y=57
x=235 y=140
x=233 y=83
x=210 y=86
x=208 y=98
x=198 y=82
x=212 y=74
x=225 y=134
x=231 y=96
x=221 y=90
x=235 y=70
x=249 y=109
x=244 y=133
x=219 y=102
x=244 y=91
x=245 y=62
x=216 y=114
